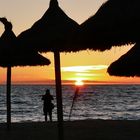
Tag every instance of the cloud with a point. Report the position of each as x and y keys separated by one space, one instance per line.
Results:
x=83 y=68
x=86 y=74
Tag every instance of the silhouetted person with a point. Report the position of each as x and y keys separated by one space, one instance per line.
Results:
x=47 y=105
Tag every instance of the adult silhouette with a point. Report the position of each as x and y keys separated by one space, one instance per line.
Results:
x=47 y=105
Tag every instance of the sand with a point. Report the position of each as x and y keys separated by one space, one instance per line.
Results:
x=74 y=130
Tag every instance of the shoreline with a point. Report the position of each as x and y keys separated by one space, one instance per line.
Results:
x=74 y=130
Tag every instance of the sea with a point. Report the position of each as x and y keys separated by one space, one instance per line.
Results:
x=114 y=102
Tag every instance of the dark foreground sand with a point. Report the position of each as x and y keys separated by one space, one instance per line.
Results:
x=74 y=130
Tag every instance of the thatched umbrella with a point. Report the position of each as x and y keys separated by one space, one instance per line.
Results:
x=50 y=34
x=115 y=23
x=128 y=64
x=11 y=55
x=51 y=31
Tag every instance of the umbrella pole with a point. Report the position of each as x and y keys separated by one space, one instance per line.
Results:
x=8 y=97
x=59 y=95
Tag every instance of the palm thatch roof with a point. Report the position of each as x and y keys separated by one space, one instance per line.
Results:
x=13 y=55
x=51 y=31
x=115 y=23
x=128 y=64
x=20 y=59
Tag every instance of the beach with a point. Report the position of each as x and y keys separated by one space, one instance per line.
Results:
x=73 y=130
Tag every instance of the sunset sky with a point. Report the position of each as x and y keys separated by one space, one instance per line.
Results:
x=89 y=66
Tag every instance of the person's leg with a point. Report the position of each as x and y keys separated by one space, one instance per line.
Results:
x=45 y=117
x=50 y=115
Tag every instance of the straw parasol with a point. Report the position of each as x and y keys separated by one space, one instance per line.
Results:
x=11 y=55
x=50 y=33
x=128 y=64
x=116 y=23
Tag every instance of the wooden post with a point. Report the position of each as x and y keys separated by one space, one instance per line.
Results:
x=8 y=94
x=59 y=95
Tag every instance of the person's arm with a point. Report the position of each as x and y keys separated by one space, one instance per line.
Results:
x=42 y=97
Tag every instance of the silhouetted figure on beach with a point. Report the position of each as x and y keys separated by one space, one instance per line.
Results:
x=47 y=105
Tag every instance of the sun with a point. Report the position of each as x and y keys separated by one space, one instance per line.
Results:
x=79 y=82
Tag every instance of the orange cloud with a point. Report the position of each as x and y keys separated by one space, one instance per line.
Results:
x=83 y=68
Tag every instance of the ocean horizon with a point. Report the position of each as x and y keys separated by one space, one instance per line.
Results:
x=114 y=102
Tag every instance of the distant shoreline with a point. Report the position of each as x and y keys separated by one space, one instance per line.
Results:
x=95 y=84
